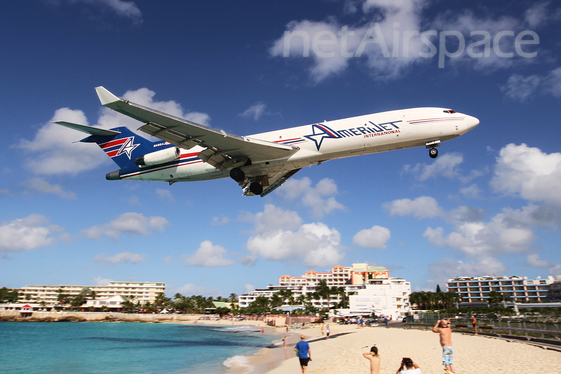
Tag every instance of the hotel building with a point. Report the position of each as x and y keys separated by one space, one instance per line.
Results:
x=140 y=291
x=477 y=289
x=373 y=283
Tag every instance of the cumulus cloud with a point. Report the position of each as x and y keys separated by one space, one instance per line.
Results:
x=446 y=165
x=375 y=238
x=31 y=232
x=534 y=260
x=119 y=258
x=128 y=223
x=320 y=199
x=506 y=233
x=529 y=173
x=164 y=195
x=421 y=207
x=442 y=270
x=208 y=255
x=56 y=149
x=280 y=235
x=41 y=185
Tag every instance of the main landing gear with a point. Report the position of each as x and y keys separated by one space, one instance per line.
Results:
x=238 y=175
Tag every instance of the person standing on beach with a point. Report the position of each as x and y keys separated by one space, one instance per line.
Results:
x=408 y=367
x=304 y=353
x=374 y=359
x=474 y=324
x=327 y=331
x=443 y=328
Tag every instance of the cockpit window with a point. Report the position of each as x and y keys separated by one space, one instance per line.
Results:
x=450 y=111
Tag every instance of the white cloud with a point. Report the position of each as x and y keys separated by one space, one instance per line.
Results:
x=192 y=289
x=442 y=270
x=507 y=232
x=535 y=261
x=374 y=238
x=471 y=191
x=553 y=82
x=127 y=9
x=99 y=281
x=56 y=149
x=539 y=14
x=208 y=255
x=119 y=258
x=27 y=233
x=446 y=165
x=41 y=185
x=279 y=235
x=521 y=88
x=128 y=223
x=421 y=207
x=220 y=221
x=319 y=199
x=164 y=195
x=389 y=37
x=255 y=111
x=248 y=288
x=529 y=173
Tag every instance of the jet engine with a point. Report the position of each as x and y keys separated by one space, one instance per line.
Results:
x=158 y=157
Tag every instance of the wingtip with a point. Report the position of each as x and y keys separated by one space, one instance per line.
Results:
x=105 y=96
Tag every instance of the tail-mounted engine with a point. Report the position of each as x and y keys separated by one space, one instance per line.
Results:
x=158 y=157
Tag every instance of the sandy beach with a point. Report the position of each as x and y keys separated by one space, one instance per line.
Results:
x=342 y=353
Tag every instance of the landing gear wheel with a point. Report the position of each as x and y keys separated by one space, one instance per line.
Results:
x=237 y=174
x=433 y=152
x=256 y=188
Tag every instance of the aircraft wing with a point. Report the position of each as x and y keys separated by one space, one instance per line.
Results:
x=223 y=150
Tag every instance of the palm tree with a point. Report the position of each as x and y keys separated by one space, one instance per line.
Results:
x=275 y=301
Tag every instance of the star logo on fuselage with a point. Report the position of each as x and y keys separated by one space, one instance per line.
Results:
x=320 y=132
x=128 y=147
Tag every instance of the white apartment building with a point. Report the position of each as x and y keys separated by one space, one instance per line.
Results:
x=352 y=279
x=385 y=297
x=140 y=291
x=477 y=289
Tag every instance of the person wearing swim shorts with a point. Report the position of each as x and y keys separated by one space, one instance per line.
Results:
x=443 y=328
x=302 y=349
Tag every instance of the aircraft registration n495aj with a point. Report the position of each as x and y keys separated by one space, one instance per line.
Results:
x=262 y=162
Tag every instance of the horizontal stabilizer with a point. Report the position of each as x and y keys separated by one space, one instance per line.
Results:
x=88 y=129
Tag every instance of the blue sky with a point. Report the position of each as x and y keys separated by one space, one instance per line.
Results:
x=489 y=204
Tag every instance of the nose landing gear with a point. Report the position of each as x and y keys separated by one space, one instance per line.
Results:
x=433 y=153
x=431 y=146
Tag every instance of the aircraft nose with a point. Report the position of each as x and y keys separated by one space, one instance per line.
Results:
x=471 y=122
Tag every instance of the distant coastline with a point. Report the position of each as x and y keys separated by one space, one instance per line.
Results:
x=16 y=316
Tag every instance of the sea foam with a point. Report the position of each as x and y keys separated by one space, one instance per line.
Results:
x=238 y=364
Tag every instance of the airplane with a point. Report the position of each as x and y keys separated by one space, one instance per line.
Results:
x=259 y=163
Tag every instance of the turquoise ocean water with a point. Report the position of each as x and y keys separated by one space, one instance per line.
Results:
x=101 y=347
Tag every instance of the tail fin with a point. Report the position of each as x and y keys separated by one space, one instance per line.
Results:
x=120 y=144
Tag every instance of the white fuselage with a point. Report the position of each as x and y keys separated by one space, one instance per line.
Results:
x=329 y=140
